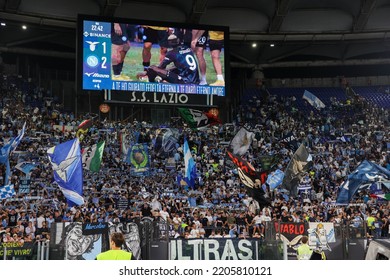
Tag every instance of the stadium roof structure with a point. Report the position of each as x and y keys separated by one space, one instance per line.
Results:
x=286 y=32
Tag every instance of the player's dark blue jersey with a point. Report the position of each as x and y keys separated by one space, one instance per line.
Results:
x=186 y=65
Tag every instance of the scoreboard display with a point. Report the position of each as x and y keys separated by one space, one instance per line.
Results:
x=152 y=58
x=96 y=55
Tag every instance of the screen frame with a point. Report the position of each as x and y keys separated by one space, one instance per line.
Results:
x=79 y=48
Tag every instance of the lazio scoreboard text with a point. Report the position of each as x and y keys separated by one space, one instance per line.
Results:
x=97 y=71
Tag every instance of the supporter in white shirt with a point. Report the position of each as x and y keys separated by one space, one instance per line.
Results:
x=210 y=219
x=267 y=209
x=296 y=218
x=40 y=220
x=155 y=205
x=229 y=182
x=217 y=234
x=201 y=230
x=266 y=217
x=194 y=233
x=284 y=207
x=196 y=222
x=176 y=222
x=257 y=226
x=164 y=214
x=30 y=229
x=306 y=208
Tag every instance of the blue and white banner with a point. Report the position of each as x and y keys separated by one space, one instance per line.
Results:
x=6 y=150
x=275 y=178
x=313 y=100
x=7 y=191
x=26 y=167
x=364 y=175
x=165 y=142
x=66 y=161
x=18 y=138
x=345 y=138
x=190 y=166
x=24 y=186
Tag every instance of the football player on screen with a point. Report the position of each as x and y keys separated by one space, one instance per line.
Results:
x=185 y=69
x=216 y=39
x=154 y=35
x=120 y=45
x=198 y=45
x=216 y=44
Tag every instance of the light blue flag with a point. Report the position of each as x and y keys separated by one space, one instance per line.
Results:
x=362 y=177
x=313 y=100
x=66 y=162
x=7 y=191
x=6 y=150
x=18 y=138
x=11 y=146
x=26 y=167
x=4 y=159
x=275 y=178
x=190 y=166
x=345 y=138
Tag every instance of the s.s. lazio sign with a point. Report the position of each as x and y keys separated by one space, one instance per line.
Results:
x=164 y=98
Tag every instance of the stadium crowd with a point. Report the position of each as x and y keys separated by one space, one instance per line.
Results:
x=218 y=206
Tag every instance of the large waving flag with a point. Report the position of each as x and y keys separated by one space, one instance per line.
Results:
x=83 y=129
x=290 y=140
x=275 y=178
x=300 y=163
x=7 y=149
x=138 y=157
x=197 y=119
x=65 y=159
x=7 y=191
x=4 y=159
x=124 y=143
x=313 y=100
x=190 y=166
x=18 y=138
x=381 y=196
x=166 y=140
x=92 y=157
x=241 y=141
x=361 y=178
x=251 y=179
x=11 y=146
x=268 y=162
x=4 y=152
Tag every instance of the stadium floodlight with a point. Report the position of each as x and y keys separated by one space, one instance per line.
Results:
x=272 y=45
x=3 y=24
x=24 y=27
x=254 y=45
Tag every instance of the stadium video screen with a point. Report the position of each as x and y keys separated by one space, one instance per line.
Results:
x=124 y=55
